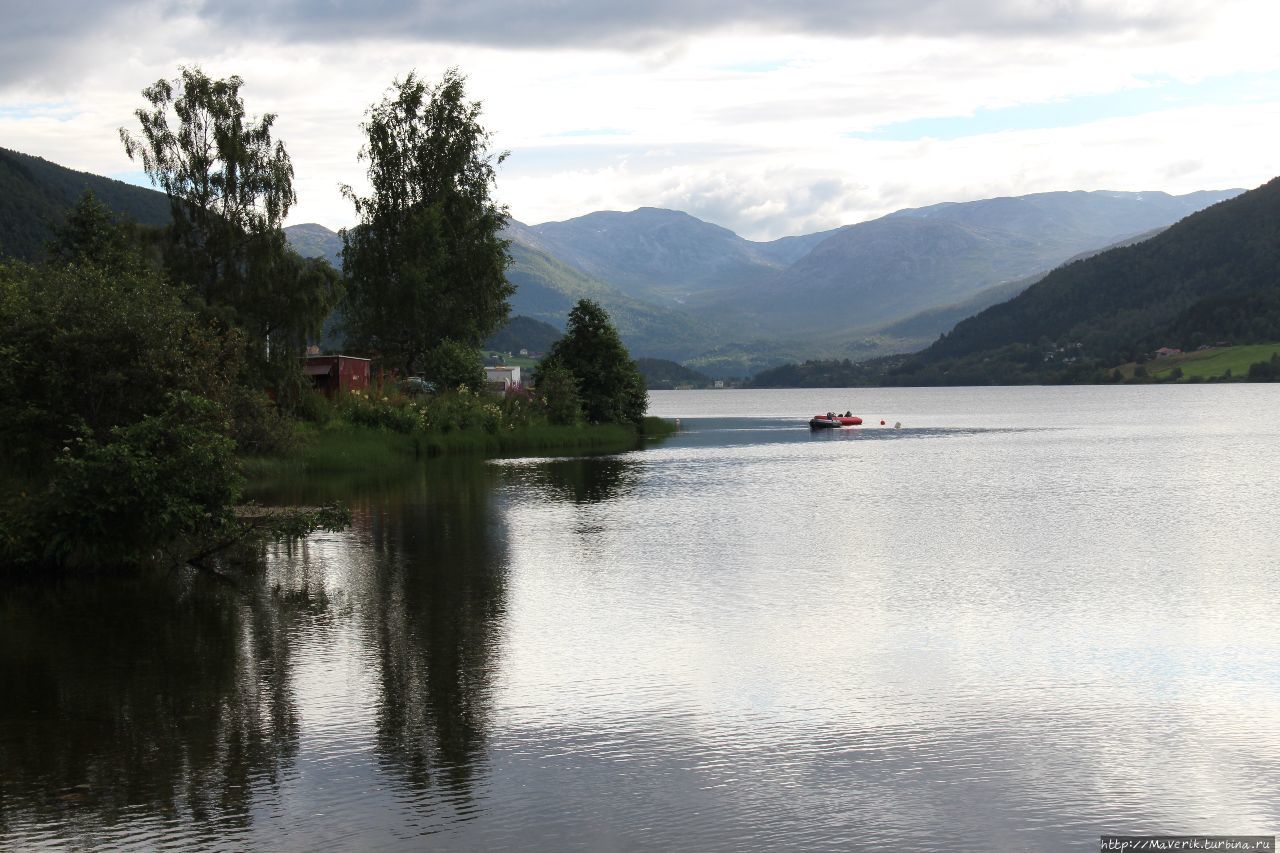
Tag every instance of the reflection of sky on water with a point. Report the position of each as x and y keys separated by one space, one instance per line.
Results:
x=1013 y=633
x=728 y=432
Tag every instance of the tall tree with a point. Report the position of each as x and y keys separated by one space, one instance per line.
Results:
x=608 y=382
x=426 y=264
x=230 y=186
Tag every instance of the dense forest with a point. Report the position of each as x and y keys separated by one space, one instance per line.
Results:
x=35 y=196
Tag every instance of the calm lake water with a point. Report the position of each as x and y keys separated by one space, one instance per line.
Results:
x=1027 y=617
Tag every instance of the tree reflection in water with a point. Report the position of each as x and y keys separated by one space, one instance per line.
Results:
x=164 y=708
x=580 y=480
x=439 y=605
x=161 y=692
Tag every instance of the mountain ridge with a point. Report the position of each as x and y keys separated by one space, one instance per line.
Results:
x=1207 y=278
x=692 y=291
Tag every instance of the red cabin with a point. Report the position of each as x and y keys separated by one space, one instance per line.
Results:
x=334 y=375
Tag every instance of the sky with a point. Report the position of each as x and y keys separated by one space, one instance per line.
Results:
x=765 y=117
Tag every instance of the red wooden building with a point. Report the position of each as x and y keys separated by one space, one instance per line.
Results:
x=335 y=375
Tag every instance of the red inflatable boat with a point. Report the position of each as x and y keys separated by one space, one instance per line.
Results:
x=830 y=421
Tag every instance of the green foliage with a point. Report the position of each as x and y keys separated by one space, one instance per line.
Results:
x=453 y=364
x=426 y=263
x=115 y=409
x=313 y=407
x=655 y=427
x=393 y=413
x=520 y=408
x=166 y=478
x=258 y=425
x=230 y=187
x=83 y=348
x=463 y=411
x=558 y=391
x=1265 y=371
x=611 y=387
x=91 y=236
x=148 y=487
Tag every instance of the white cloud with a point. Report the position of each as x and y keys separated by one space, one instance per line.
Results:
x=750 y=131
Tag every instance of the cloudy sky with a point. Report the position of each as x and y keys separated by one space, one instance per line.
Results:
x=767 y=117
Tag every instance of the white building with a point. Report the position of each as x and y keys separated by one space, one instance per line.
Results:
x=501 y=377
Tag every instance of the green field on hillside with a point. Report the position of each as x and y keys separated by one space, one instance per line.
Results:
x=523 y=362
x=1213 y=363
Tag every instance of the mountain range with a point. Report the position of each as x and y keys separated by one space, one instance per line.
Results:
x=688 y=290
x=1208 y=280
x=695 y=292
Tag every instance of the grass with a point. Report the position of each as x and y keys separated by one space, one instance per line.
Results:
x=1207 y=364
x=340 y=447
x=521 y=361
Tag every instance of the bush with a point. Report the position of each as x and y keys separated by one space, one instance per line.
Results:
x=258 y=425
x=520 y=408
x=160 y=483
x=558 y=394
x=452 y=364
x=463 y=410
x=396 y=414
x=608 y=382
x=87 y=347
x=314 y=407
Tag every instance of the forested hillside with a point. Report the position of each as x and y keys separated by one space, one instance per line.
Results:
x=35 y=196
x=1213 y=277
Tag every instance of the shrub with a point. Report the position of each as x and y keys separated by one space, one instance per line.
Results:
x=451 y=364
x=396 y=414
x=558 y=394
x=608 y=382
x=162 y=482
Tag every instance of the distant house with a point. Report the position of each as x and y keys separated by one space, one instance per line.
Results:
x=502 y=377
x=334 y=375
x=1165 y=352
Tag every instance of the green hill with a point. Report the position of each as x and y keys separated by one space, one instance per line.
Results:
x=663 y=375
x=547 y=288
x=523 y=333
x=1213 y=276
x=35 y=196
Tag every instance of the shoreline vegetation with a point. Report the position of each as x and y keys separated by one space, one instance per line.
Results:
x=392 y=431
x=151 y=377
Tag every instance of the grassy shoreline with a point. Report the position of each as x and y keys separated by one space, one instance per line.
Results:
x=340 y=446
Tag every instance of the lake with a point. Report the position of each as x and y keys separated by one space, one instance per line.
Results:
x=1022 y=619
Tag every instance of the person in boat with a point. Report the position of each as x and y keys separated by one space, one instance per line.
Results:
x=849 y=413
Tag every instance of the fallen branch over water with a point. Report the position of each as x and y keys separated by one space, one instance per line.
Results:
x=254 y=523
